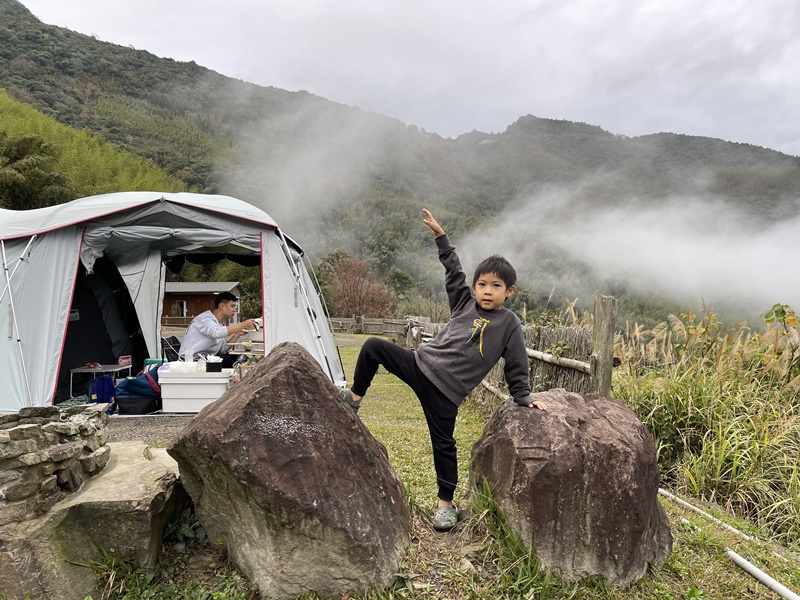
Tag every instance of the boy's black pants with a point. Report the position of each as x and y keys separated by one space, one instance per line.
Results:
x=440 y=412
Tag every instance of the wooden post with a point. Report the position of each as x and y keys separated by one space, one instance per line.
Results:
x=413 y=339
x=602 y=359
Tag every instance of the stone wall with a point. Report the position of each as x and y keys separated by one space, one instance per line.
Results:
x=46 y=452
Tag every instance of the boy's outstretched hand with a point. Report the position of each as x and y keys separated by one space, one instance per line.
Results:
x=538 y=404
x=432 y=223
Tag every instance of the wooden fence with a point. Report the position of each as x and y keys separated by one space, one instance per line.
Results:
x=390 y=327
x=343 y=324
x=176 y=321
x=578 y=359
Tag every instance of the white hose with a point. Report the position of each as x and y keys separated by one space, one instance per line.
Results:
x=762 y=577
x=674 y=498
x=740 y=562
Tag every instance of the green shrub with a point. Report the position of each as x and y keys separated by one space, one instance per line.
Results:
x=723 y=410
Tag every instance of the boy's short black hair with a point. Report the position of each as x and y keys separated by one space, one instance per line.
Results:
x=499 y=266
x=224 y=297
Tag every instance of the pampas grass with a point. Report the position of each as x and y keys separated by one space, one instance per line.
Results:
x=723 y=409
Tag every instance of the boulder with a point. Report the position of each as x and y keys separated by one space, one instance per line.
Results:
x=579 y=482
x=284 y=473
x=121 y=510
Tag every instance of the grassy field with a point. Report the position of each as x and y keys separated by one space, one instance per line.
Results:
x=480 y=558
x=437 y=567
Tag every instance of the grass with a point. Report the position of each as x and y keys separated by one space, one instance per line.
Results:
x=481 y=558
x=723 y=410
x=178 y=578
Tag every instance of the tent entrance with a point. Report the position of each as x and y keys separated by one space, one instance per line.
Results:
x=200 y=268
x=103 y=325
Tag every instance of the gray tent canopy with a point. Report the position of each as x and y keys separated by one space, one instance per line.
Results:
x=43 y=252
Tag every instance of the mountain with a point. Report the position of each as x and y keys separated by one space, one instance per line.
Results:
x=58 y=163
x=337 y=177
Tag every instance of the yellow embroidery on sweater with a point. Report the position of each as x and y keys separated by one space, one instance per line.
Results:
x=478 y=327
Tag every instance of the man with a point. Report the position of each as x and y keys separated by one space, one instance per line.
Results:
x=207 y=331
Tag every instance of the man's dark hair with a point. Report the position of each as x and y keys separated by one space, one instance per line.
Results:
x=499 y=266
x=224 y=297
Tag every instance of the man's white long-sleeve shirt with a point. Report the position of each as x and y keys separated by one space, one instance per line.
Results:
x=205 y=334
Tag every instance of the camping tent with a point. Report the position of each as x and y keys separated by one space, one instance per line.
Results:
x=86 y=278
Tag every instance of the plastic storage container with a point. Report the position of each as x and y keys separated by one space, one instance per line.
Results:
x=190 y=392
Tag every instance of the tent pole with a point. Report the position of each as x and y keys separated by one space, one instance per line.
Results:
x=319 y=288
x=14 y=315
x=287 y=252
x=21 y=259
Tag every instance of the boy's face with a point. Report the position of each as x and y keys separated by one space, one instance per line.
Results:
x=491 y=291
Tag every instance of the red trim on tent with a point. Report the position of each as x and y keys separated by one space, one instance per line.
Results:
x=64 y=339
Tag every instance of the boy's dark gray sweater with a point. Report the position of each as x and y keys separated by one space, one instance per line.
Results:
x=473 y=341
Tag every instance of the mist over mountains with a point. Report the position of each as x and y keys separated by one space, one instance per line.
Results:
x=579 y=210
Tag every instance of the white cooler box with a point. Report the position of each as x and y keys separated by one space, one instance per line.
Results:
x=190 y=392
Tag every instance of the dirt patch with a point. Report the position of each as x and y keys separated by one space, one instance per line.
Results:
x=158 y=431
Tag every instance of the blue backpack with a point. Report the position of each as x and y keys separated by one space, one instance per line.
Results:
x=144 y=384
x=138 y=395
x=102 y=390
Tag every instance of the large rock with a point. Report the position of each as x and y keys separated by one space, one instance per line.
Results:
x=579 y=482
x=122 y=510
x=284 y=473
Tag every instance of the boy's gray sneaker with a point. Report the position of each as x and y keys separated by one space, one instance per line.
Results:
x=347 y=396
x=445 y=518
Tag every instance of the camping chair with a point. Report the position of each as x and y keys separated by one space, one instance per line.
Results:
x=169 y=348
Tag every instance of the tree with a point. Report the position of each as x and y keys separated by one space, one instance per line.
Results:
x=352 y=289
x=26 y=180
x=400 y=282
x=435 y=306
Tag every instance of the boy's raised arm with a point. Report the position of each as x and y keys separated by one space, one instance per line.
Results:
x=432 y=223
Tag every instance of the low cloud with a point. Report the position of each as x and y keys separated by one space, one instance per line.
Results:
x=301 y=159
x=687 y=249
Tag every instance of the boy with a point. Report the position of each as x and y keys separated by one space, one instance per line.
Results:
x=443 y=372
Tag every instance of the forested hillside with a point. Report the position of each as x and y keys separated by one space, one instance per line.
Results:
x=336 y=177
x=45 y=162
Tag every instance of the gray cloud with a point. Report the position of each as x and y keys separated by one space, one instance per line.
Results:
x=687 y=249
x=721 y=68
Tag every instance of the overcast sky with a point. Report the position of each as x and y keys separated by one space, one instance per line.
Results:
x=719 y=68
